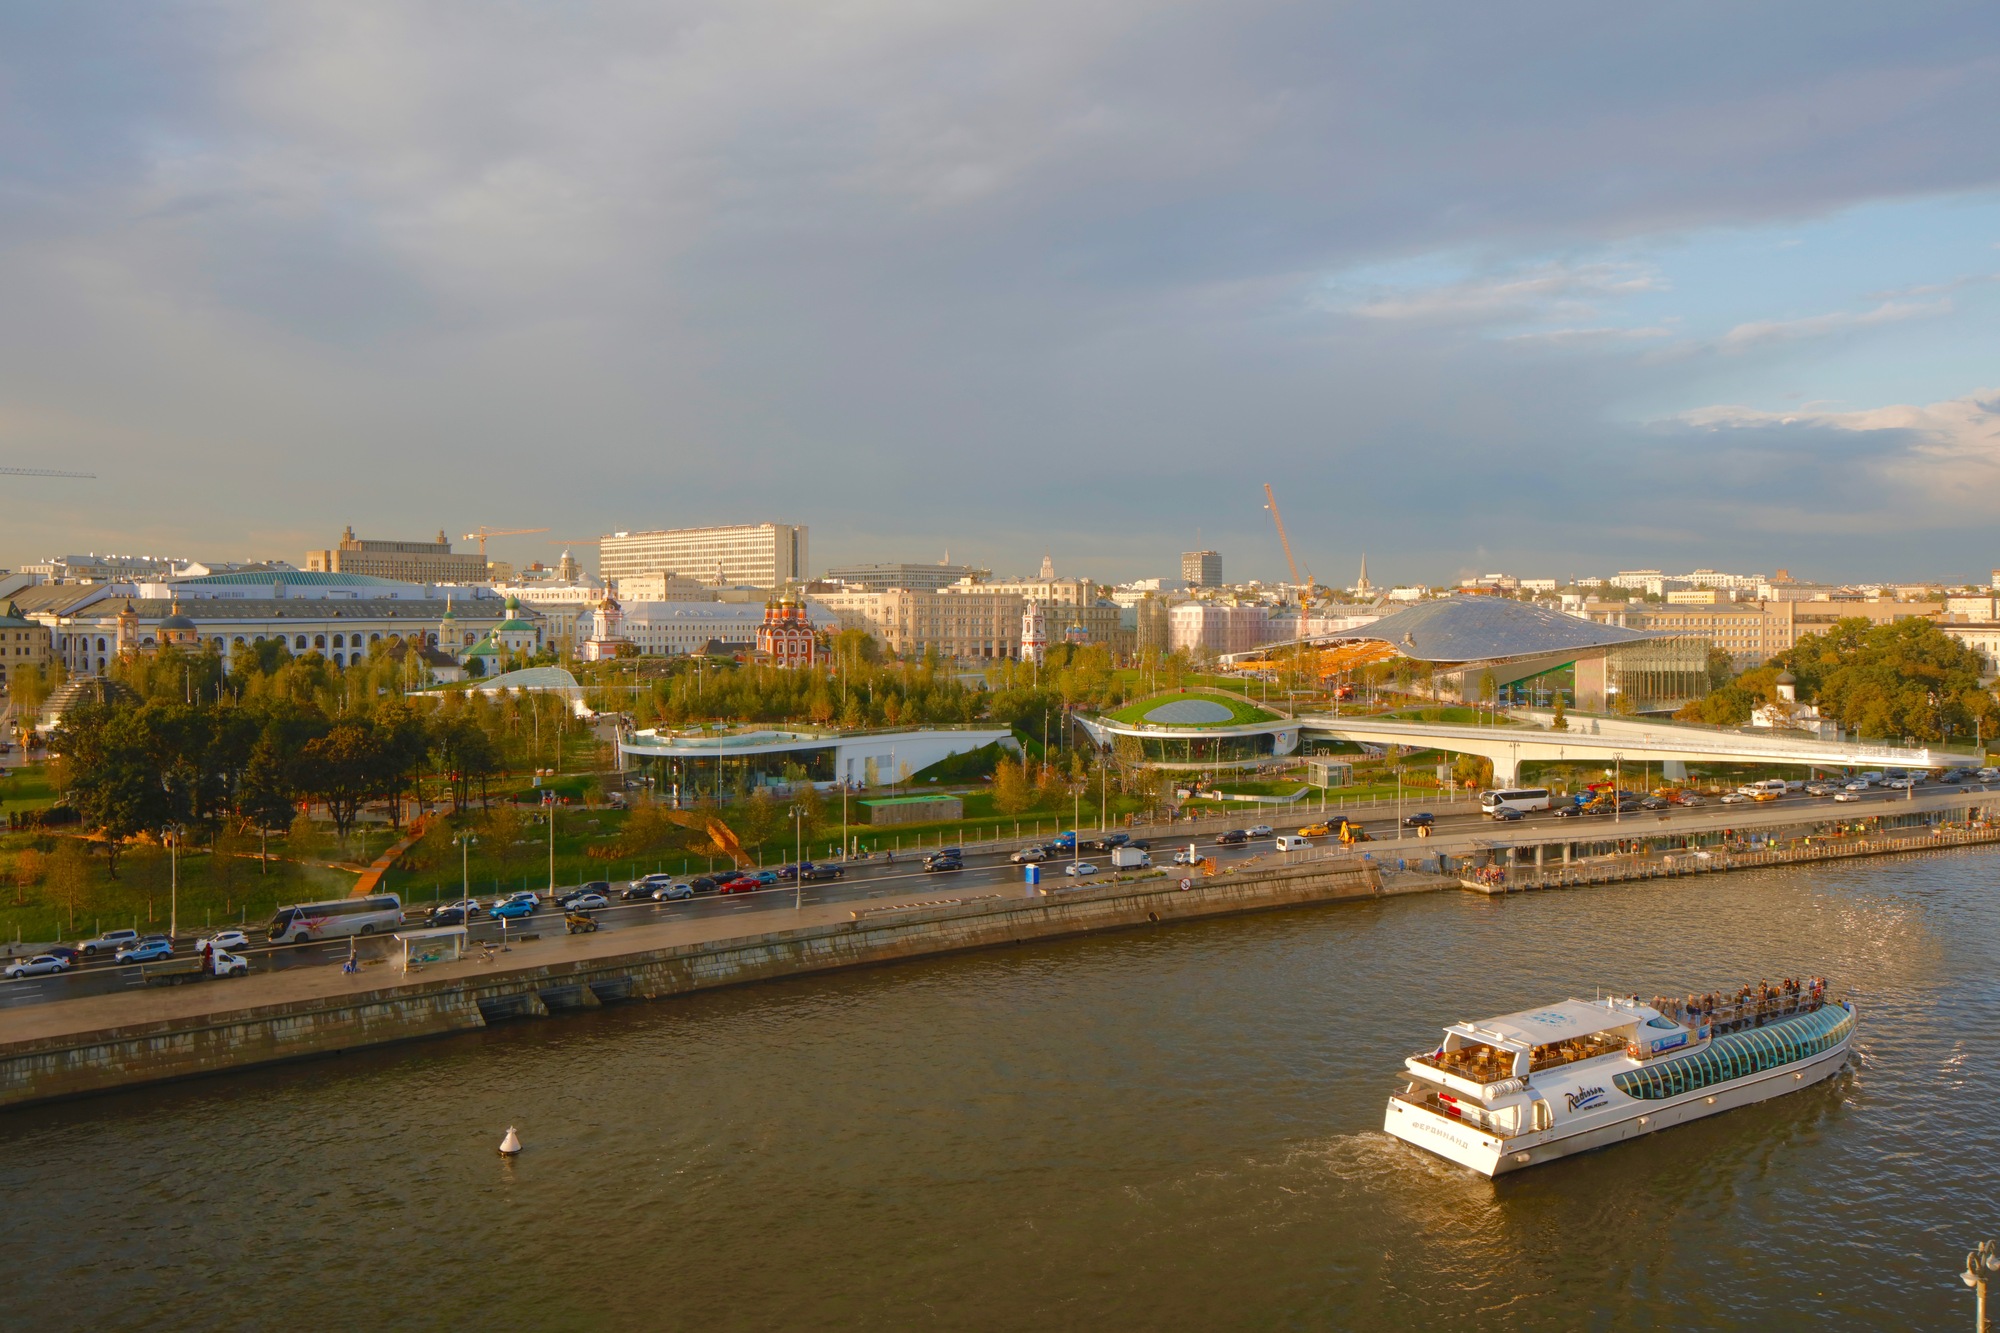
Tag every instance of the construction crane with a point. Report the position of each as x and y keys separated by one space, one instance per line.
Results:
x=45 y=472
x=481 y=536
x=1271 y=503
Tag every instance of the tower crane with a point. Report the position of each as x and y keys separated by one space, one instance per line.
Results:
x=483 y=533
x=1271 y=503
x=45 y=472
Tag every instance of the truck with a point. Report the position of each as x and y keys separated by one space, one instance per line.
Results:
x=194 y=967
x=1130 y=858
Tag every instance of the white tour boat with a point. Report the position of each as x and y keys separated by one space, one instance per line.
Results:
x=1545 y=1083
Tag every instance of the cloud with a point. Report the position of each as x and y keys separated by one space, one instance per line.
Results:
x=1760 y=333
x=1552 y=290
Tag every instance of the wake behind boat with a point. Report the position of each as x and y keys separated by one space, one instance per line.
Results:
x=1530 y=1087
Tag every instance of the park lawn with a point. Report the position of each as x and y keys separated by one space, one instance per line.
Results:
x=26 y=788
x=1241 y=711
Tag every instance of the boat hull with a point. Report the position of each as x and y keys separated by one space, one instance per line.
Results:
x=1492 y=1156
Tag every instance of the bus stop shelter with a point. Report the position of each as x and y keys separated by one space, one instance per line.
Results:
x=439 y=944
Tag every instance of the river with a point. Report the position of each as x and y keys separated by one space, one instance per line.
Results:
x=1168 y=1129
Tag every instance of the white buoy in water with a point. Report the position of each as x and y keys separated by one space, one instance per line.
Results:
x=510 y=1145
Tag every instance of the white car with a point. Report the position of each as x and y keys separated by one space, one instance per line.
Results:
x=1187 y=857
x=41 y=965
x=1900 y=784
x=228 y=939
x=1079 y=868
x=472 y=907
x=1259 y=830
x=1693 y=799
x=1029 y=855
x=1858 y=785
x=1735 y=798
x=1847 y=794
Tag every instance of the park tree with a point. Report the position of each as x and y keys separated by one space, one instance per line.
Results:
x=342 y=769
x=1560 y=722
x=1012 y=793
x=71 y=885
x=111 y=773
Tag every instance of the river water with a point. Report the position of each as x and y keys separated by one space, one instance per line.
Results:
x=1166 y=1129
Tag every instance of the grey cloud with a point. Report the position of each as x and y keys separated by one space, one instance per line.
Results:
x=1014 y=277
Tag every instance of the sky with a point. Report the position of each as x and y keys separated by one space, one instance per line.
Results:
x=1554 y=289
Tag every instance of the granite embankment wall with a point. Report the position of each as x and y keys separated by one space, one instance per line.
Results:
x=547 y=976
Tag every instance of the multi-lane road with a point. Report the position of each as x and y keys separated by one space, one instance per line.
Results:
x=988 y=870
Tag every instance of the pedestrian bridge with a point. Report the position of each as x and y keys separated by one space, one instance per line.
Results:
x=1605 y=740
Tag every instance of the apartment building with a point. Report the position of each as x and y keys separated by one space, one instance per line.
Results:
x=757 y=555
x=23 y=643
x=964 y=623
x=1213 y=629
x=1201 y=569
x=407 y=562
x=1751 y=632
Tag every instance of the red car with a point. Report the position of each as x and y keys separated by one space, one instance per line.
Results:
x=741 y=884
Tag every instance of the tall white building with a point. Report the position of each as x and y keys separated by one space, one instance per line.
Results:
x=759 y=555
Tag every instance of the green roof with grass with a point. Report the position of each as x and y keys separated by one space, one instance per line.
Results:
x=1192 y=708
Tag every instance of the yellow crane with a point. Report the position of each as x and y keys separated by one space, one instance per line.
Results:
x=1271 y=503
x=481 y=536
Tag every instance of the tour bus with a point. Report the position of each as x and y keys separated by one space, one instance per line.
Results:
x=337 y=919
x=1525 y=799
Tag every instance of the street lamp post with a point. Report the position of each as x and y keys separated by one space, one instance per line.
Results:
x=798 y=858
x=172 y=833
x=549 y=800
x=1978 y=1264
x=465 y=841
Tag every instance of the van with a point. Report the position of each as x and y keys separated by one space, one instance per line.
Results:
x=1292 y=842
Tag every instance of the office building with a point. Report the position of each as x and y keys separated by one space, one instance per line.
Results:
x=23 y=643
x=757 y=555
x=1201 y=569
x=895 y=574
x=409 y=562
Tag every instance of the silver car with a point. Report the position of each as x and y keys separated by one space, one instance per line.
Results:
x=1029 y=855
x=41 y=965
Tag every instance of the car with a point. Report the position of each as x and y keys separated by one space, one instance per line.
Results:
x=1900 y=784
x=1568 y=811
x=41 y=965
x=739 y=884
x=516 y=909
x=1232 y=837
x=1735 y=798
x=1120 y=839
x=1989 y=775
x=149 y=950
x=1065 y=841
x=110 y=942
x=1692 y=799
x=1507 y=814
x=449 y=915
x=228 y=939
x=1655 y=803
x=705 y=883
x=1260 y=830
x=1140 y=844
x=933 y=864
x=1079 y=868
x=1187 y=856
x=472 y=907
x=68 y=953
x=588 y=902
x=567 y=900
x=814 y=871
x=1821 y=789
x=1029 y=856
x=672 y=893
x=1847 y=794
x=1421 y=819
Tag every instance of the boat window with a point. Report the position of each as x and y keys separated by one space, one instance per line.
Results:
x=1739 y=1054
x=1476 y=1061
x=1577 y=1048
